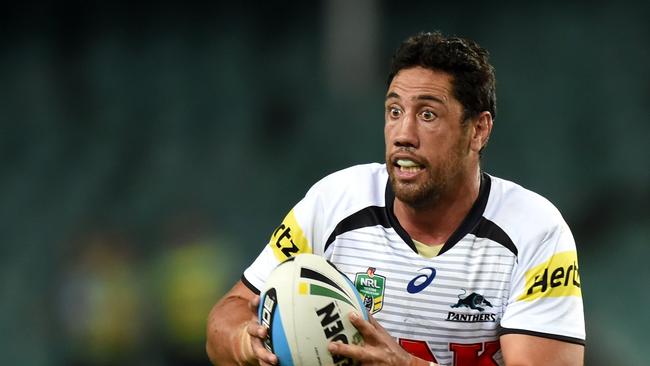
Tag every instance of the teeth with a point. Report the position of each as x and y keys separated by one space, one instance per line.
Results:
x=411 y=169
x=405 y=163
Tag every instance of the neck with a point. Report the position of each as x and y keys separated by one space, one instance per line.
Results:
x=434 y=223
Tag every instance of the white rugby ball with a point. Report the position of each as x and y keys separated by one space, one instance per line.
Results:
x=305 y=306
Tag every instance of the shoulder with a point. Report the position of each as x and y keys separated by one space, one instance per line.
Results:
x=343 y=193
x=525 y=215
x=364 y=182
x=518 y=199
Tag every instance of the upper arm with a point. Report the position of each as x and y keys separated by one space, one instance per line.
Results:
x=543 y=322
x=238 y=293
x=545 y=297
x=231 y=310
x=527 y=350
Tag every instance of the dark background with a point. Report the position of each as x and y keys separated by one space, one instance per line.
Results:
x=148 y=150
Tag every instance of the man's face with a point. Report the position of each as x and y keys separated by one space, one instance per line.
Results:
x=427 y=147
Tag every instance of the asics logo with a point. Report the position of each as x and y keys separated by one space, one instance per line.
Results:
x=420 y=282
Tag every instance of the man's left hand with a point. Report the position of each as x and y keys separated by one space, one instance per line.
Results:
x=379 y=348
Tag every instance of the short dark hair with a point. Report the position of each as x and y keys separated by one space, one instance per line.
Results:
x=474 y=83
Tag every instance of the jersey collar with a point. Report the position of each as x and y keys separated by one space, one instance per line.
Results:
x=468 y=224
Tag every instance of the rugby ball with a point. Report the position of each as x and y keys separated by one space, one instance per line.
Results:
x=305 y=306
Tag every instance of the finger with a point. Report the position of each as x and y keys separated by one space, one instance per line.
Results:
x=373 y=321
x=365 y=327
x=256 y=330
x=378 y=329
x=263 y=355
x=258 y=334
x=348 y=350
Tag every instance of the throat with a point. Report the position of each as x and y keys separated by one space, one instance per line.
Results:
x=425 y=225
x=434 y=223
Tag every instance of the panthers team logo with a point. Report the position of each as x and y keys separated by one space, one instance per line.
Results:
x=371 y=287
x=473 y=301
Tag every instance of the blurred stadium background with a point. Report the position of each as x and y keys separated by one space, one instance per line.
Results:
x=148 y=150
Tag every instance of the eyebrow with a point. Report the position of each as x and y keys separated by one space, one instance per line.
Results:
x=419 y=97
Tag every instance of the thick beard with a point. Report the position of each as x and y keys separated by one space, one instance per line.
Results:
x=440 y=180
x=419 y=195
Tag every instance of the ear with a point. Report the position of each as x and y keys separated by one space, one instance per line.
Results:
x=480 y=131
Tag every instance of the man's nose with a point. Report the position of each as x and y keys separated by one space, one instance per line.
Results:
x=407 y=134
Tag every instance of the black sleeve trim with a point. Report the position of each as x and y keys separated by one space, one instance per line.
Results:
x=492 y=231
x=249 y=285
x=558 y=337
x=369 y=216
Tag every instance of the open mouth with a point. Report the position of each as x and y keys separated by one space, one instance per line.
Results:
x=408 y=165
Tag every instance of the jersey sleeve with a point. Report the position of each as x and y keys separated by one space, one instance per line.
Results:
x=300 y=232
x=546 y=298
x=307 y=226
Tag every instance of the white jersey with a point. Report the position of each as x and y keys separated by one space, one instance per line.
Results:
x=511 y=266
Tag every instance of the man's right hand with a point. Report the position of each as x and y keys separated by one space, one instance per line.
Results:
x=235 y=336
x=254 y=337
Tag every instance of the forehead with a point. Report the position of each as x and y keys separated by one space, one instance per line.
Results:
x=415 y=82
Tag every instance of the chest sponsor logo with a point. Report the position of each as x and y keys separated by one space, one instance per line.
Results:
x=474 y=305
x=420 y=282
x=288 y=239
x=371 y=287
x=556 y=277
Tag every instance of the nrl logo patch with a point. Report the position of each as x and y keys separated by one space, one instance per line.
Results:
x=371 y=287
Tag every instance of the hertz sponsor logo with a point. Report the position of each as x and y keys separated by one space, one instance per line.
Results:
x=556 y=277
x=288 y=239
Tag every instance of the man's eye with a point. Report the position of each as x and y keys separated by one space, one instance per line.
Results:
x=428 y=115
x=394 y=112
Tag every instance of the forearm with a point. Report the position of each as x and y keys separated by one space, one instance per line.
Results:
x=227 y=340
